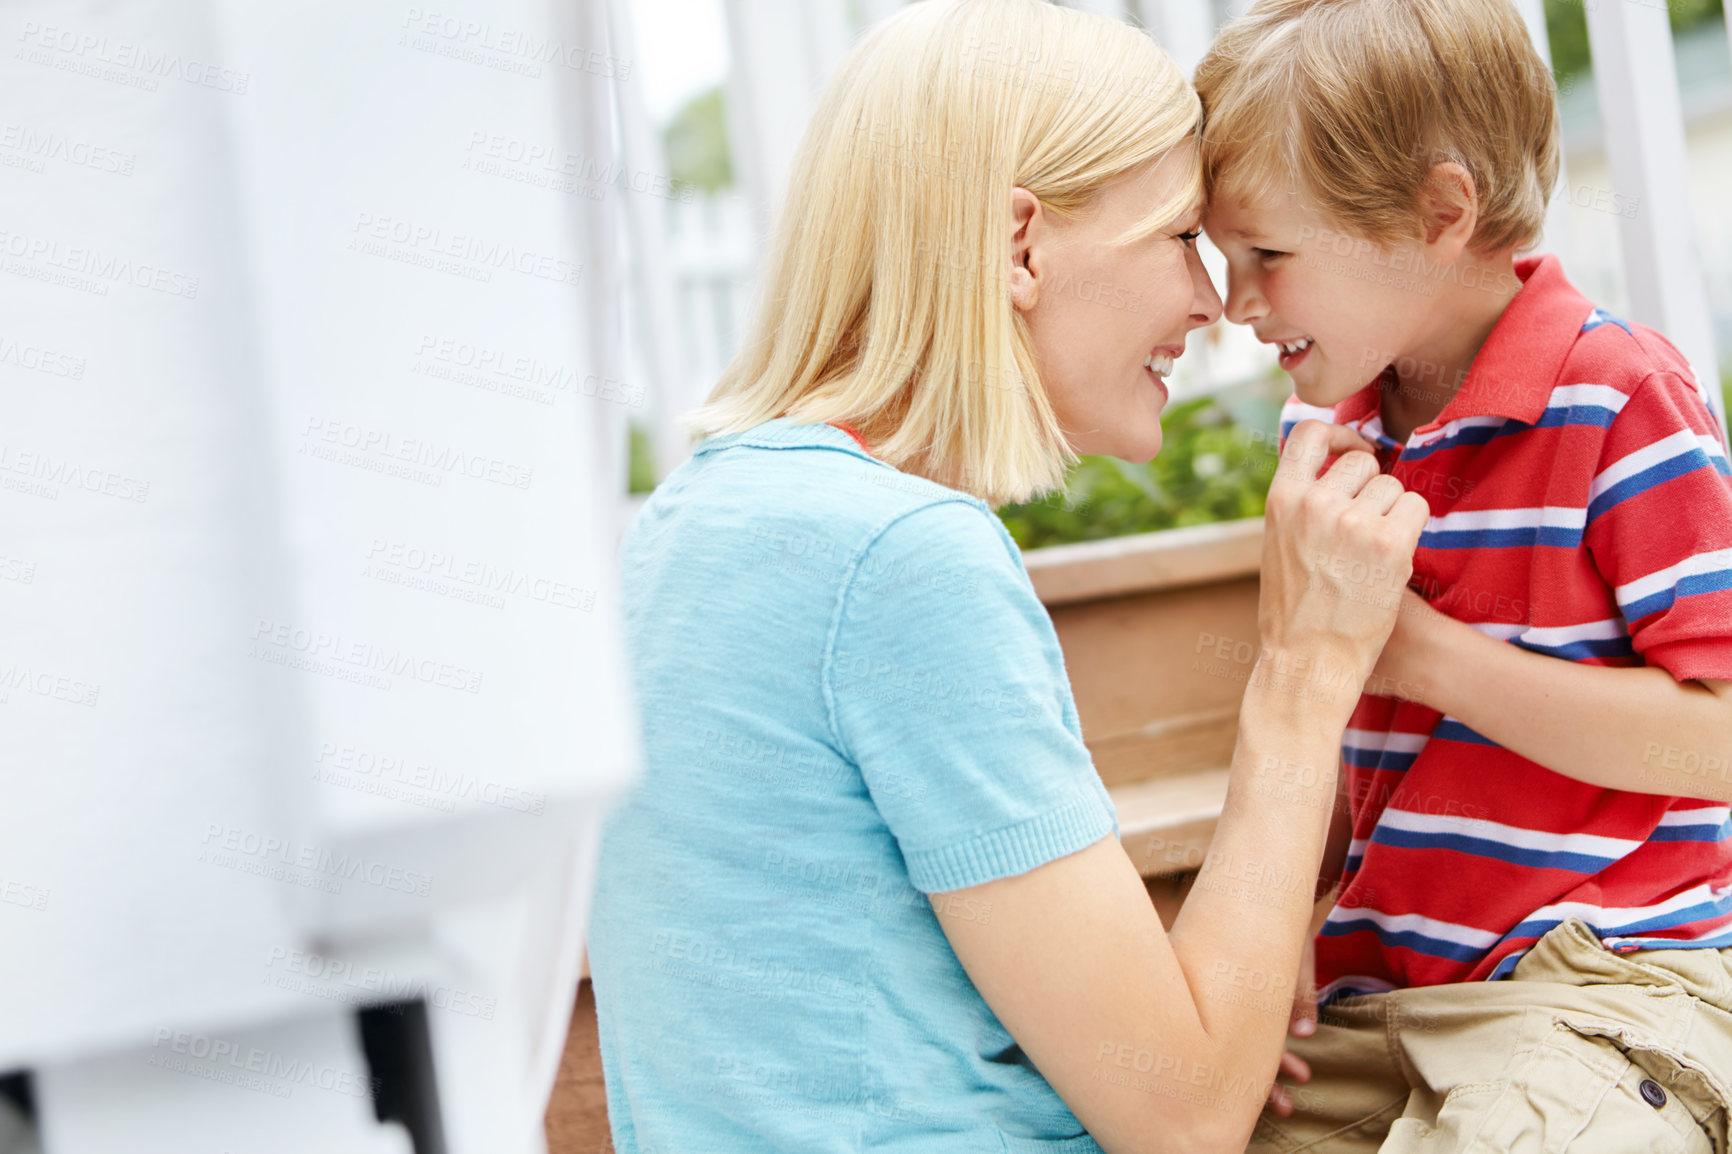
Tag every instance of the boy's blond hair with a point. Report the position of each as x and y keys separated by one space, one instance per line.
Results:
x=885 y=295
x=1358 y=99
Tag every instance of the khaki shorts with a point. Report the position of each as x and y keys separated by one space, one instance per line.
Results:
x=1580 y=1049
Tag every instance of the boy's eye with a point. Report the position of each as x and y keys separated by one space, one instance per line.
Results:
x=1268 y=253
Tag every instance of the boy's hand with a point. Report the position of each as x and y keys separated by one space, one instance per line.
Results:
x=1405 y=665
x=1280 y=1097
x=1302 y=1025
x=1304 y=1019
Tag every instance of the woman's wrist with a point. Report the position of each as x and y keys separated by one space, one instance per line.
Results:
x=1286 y=760
x=1308 y=684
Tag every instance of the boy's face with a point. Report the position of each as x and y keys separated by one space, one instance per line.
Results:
x=1299 y=281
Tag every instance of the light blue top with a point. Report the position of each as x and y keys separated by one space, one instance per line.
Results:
x=850 y=698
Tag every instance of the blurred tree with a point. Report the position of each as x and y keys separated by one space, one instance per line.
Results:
x=642 y=469
x=1567 y=36
x=1567 y=30
x=696 y=143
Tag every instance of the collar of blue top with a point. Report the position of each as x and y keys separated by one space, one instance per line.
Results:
x=784 y=433
x=1520 y=362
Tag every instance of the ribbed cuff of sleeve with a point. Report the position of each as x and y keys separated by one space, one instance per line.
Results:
x=1014 y=849
x=1688 y=659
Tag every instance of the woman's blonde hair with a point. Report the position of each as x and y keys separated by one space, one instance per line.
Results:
x=885 y=299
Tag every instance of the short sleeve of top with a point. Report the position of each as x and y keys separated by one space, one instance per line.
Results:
x=1659 y=527
x=946 y=686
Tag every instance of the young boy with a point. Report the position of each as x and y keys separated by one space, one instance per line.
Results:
x=1550 y=806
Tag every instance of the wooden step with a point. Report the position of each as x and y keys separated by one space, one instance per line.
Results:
x=1171 y=746
x=1158 y=633
x=1165 y=824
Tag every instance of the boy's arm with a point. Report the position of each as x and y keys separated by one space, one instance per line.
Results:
x=1633 y=729
x=1336 y=845
x=1658 y=532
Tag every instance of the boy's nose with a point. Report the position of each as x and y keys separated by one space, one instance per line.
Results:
x=1245 y=303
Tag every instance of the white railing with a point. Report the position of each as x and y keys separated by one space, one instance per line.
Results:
x=1637 y=81
x=692 y=285
x=712 y=250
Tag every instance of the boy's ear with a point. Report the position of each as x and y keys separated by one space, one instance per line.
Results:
x=1448 y=209
x=1026 y=220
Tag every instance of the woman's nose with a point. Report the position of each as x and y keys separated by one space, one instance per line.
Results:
x=1206 y=303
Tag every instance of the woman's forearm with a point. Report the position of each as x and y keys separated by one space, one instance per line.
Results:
x=1170 y=1041
x=1244 y=924
x=1157 y=1040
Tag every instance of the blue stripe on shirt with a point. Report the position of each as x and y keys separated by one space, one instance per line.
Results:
x=1408 y=939
x=1450 y=729
x=1521 y=537
x=1569 y=860
x=1580 y=650
x=1690 y=586
x=1682 y=465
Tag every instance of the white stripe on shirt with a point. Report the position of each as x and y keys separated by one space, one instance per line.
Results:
x=1668 y=578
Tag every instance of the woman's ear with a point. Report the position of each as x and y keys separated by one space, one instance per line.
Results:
x=1449 y=211
x=1027 y=222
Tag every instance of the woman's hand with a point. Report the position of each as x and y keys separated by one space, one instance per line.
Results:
x=1337 y=553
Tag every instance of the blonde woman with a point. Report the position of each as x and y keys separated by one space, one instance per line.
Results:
x=868 y=893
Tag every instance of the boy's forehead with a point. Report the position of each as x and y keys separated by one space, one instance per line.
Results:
x=1241 y=212
x=1239 y=215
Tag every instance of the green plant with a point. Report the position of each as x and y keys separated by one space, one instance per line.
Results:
x=1216 y=461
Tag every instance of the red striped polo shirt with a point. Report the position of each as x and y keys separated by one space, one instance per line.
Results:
x=1581 y=507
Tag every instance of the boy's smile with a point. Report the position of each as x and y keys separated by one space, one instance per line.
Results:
x=1293 y=351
